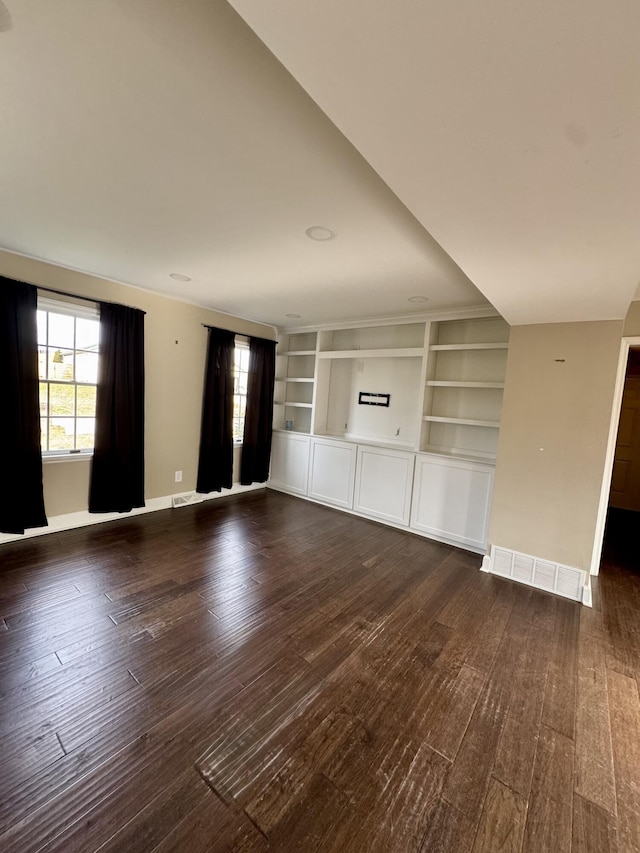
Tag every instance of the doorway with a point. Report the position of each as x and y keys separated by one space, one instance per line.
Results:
x=620 y=547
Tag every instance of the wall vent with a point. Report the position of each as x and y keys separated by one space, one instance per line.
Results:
x=186 y=500
x=541 y=574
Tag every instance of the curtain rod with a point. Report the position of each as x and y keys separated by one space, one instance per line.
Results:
x=257 y=337
x=85 y=298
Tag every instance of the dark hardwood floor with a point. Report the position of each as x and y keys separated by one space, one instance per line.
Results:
x=259 y=673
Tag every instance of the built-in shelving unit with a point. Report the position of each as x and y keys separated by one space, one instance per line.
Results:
x=295 y=382
x=395 y=420
x=463 y=389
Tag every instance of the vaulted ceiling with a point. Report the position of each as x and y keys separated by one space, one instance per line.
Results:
x=461 y=152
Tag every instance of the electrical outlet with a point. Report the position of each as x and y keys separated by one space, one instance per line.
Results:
x=178 y=476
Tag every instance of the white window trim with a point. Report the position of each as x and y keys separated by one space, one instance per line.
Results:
x=84 y=310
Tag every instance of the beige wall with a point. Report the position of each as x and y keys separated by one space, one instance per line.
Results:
x=632 y=321
x=175 y=351
x=553 y=439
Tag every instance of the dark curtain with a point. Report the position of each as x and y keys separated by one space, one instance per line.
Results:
x=117 y=470
x=21 y=496
x=215 y=461
x=258 y=421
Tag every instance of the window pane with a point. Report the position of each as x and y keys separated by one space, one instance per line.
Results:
x=42 y=362
x=87 y=334
x=86 y=401
x=86 y=367
x=43 y=434
x=61 y=399
x=85 y=428
x=61 y=330
x=60 y=364
x=61 y=433
x=42 y=327
x=43 y=399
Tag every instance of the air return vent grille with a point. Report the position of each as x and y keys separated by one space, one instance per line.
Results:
x=552 y=577
x=186 y=500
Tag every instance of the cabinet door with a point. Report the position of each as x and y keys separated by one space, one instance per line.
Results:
x=451 y=500
x=289 y=462
x=383 y=484
x=332 y=471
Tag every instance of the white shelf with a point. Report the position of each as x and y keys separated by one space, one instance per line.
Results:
x=442 y=383
x=295 y=405
x=296 y=379
x=462 y=421
x=406 y=352
x=299 y=352
x=451 y=347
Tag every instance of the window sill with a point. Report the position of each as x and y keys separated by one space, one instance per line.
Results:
x=67 y=457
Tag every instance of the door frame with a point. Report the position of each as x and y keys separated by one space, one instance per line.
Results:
x=625 y=345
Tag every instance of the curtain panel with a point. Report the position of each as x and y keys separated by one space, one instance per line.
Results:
x=21 y=495
x=117 y=469
x=215 y=459
x=258 y=421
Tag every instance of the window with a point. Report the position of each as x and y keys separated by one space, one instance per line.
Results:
x=68 y=342
x=240 y=379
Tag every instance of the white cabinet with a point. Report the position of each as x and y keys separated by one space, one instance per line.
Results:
x=384 y=480
x=451 y=500
x=289 y=462
x=332 y=471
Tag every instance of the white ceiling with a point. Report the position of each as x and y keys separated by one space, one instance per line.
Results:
x=144 y=137
x=510 y=129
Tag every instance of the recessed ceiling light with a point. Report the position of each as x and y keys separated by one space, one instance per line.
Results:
x=319 y=232
x=177 y=276
x=418 y=299
x=293 y=316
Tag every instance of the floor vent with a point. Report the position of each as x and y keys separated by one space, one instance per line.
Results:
x=542 y=574
x=186 y=500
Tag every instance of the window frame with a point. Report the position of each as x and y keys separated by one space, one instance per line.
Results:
x=83 y=311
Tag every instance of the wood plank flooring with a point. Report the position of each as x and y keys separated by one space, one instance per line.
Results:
x=259 y=673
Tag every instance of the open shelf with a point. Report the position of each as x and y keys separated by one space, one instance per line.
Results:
x=460 y=347
x=463 y=421
x=446 y=383
x=400 y=352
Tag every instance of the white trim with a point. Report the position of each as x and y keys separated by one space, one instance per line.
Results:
x=68 y=305
x=73 y=520
x=603 y=505
x=52 y=456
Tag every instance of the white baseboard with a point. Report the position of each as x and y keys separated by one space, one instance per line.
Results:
x=546 y=575
x=72 y=520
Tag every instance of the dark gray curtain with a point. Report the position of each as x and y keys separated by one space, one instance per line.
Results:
x=258 y=421
x=21 y=496
x=215 y=461
x=117 y=470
